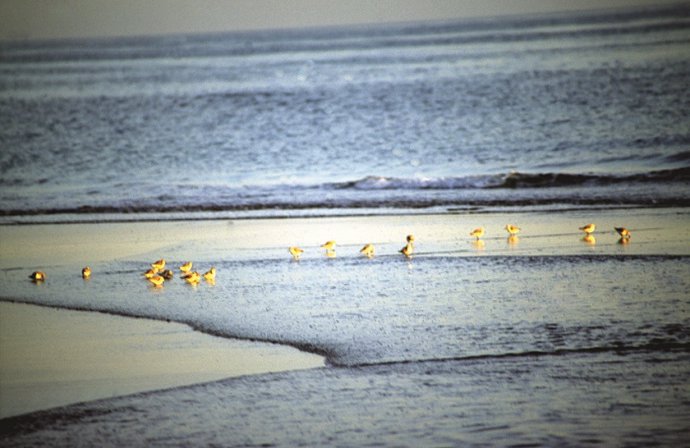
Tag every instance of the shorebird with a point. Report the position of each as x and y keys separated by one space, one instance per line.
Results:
x=330 y=248
x=193 y=278
x=623 y=232
x=407 y=250
x=167 y=274
x=38 y=276
x=150 y=273
x=86 y=273
x=157 y=281
x=186 y=267
x=368 y=250
x=185 y=275
x=588 y=228
x=158 y=265
x=512 y=229
x=210 y=275
x=478 y=232
x=295 y=251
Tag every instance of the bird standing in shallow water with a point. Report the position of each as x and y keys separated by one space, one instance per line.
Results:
x=210 y=275
x=193 y=278
x=186 y=267
x=150 y=273
x=330 y=248
x=158 y=265
x=478 y=232
x=623 y=232
x=407 y=250
x=167 y=274
x=157 y=281
x=588 y=228
x=512 y=229
x=295 y=251
x=38 y=276
x=368 y=250
x=86 y=273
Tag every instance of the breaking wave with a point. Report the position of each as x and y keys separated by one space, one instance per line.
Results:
x=512 y=180
x=369 y=195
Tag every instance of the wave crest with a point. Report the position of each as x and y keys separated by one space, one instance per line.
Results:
x=379 y=194
x=419 y=183
x=511 y=180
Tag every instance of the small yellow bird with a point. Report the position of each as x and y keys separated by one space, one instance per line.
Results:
x=368 y=250
x=186 y=267
x=512 y=229
x=158 y=265
x=295 y=251
x=150 y=273
x=193 y=278
x=478 y=232
x=167 y=274
x=38 y=276
x=86 y=273
x=330 y=248
x=588 y=228
x=623 y=232
x=407 y=250
x=157 y=281
x=210 y=275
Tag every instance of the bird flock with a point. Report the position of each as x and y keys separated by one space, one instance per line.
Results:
x=407 y=250
x=157 y=275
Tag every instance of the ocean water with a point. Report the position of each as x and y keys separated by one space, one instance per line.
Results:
x=556 y=120
x=544 y=112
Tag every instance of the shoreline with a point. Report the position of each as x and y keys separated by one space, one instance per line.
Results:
x=93 y=242
x=54 y=357
x=175 y=217
x=119 y=252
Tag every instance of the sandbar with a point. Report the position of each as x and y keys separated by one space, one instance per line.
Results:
x=52 y=357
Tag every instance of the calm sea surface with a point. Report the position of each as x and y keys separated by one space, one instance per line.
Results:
x=554 y=117
x=541 y=112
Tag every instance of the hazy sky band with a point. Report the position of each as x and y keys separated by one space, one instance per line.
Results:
x=48 y=19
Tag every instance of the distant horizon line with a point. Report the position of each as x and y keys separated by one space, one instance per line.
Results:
x=671 y=6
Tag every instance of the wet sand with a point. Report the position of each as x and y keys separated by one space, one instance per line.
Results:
x=51 y=357
x=40 y=246
x=54 y=357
